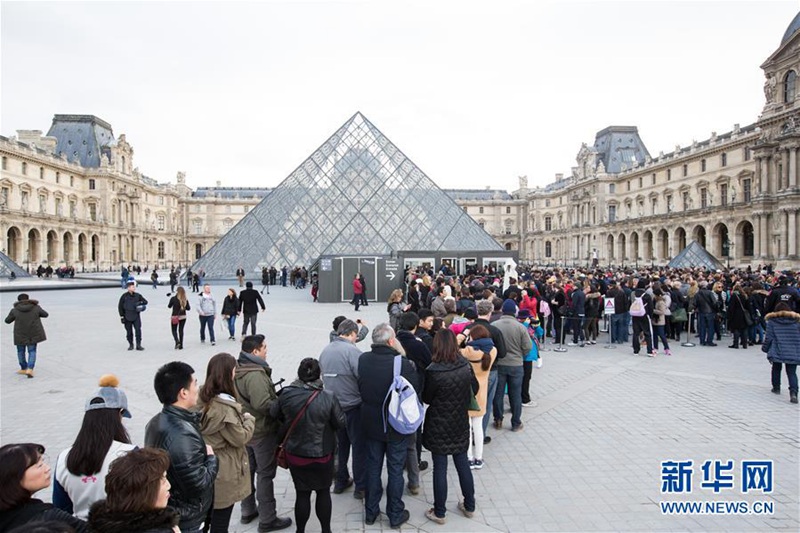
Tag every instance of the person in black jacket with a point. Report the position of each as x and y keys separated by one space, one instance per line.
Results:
x=23 y=472
x=311 y=443
x=782 y=293
x=230 y=310
x=176 y=429
x=706 y=305
x=485 y=308
x=131 y=304
x=643 y=325
x=27 y=317
x=249 y=300
x=375 y=375
x=449 y=386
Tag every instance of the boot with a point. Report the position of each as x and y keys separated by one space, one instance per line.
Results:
x=776 y=390
x=139 y=347
x=792 y=395
x=30 y=375
x=130 y=346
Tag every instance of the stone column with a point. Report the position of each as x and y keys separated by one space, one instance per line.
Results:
x=792 y=182
x=764 y=227
x=759 y=178
x=792 y=234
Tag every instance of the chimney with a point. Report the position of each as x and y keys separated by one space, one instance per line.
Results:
x=219 y=184
x=559 y=177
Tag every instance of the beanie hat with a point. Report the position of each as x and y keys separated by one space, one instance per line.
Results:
x=509 y=307
x=108 y=396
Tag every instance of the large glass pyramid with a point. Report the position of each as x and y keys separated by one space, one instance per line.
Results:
x=356 y=194
x=693 y=256
x=7 y=266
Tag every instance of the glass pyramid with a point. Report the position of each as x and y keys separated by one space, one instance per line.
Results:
x=356 y=194
x=7 y=266
x=694 y=255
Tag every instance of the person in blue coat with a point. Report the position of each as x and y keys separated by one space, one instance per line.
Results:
x=780 y=345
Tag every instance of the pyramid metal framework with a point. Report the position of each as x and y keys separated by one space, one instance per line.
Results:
x=7 y=266
x=694 y=255
x=356 y=194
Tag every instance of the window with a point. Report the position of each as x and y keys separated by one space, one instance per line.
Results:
x=508 y=210
x=198 y=227
x=641 y=184
x=72 y=181
x=508 y=246
x=548 y=249
x=612 y=188
x=788 y=86
x=58 y=177
x=654 y=205
x=669 y=203
x=480 y=210
x=482 y=224
x=747 y=154
x=703 y=198
x=24 y=168
x=508 y=227
x=59 y=207
x=161 y=247
x=685 y=200
x=91 y=184
x=746 y=188
x=653 y=179
x=465 y=209
x=723 y=159
x=669 y=174
x=41 y=173
x=723 y=194
x=547 y=202
x=685 y=170
x=548 y=223
x=93 y=212
x=161 y=202
x=161 y=221
x=702 y=165
x=4 y=193
x=42 y=203
x=73 y=208
x=24 y=200
x=629 y=184
x=612 y=213
x=5 y=163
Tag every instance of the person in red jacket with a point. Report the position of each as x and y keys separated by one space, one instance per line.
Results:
x=358 y=290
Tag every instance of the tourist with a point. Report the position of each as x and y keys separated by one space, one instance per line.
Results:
x=413 y=295
x=395 y=308
x=449 y=386
x=375 y=374
x=227 y=430
x=240 y=276
x=173 y=280
x=485 y=308
x=23 y=472
x=705 y=303
x=594 y=310
x=642 y=325
x=130 y=307
x=535 y=333
x=310 y=417
x=780 y=345
x=660 y=310
x=176 y=429
x=154 y=278
x=425 y=326
x=756 y=304
x=738 y=315
x=207 y=309
x=256 y=392
x=363 y=330
x=481 y=353
x=230 y=309
x=27 y=317
x=363 y=289
x=138 y=494
x=782 y=293
x=358 y=290
x=509 y=369
x=339 y=364
x=249 y=302
x=577 y=316
x=82 y=468
x=179 y=304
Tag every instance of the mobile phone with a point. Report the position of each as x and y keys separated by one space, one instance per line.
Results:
x=358 y=321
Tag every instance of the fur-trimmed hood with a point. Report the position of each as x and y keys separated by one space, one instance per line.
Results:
x=783 y=314
x=104 y=520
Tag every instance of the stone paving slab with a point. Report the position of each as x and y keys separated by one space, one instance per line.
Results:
x=588 y=458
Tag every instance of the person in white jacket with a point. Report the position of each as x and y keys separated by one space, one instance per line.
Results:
x=208 y=310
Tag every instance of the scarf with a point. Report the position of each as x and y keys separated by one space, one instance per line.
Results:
x=484 y=345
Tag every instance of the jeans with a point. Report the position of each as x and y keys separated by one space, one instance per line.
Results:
x=31 y=362
x=791 y=373
x=130 y=327
x=207 y=321
x=356 y=300
x=261 y=456
x=232 y=325
x=705 y=327
x=739 y=334
x=490 y=391
x=347 y=437
x=395 y=453
x=412 y=459
x=511 y=376
x=618 y=327
x=249 y=319
x=659 y=332
x=578 y=325
x=440 y=482
x=642 y=325
x=756 y=331
x=527 y=372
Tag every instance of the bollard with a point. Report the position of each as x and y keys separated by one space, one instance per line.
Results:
x=561 y=338
x=689 y=343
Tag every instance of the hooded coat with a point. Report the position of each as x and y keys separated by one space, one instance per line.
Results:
x=104 y=520
x=783 y=337
x=448 y=390
x=256 y=392
x=27 y=318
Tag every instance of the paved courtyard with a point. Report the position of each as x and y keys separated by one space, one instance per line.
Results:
x=589 y=458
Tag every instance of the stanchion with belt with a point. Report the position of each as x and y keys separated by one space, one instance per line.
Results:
x=561 y=338
x=688 y=342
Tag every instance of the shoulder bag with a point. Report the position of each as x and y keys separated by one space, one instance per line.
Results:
x=280 y=451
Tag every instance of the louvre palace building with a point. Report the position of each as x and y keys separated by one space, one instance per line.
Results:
x=74 y=196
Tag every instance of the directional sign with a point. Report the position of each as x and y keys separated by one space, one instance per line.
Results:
x=391 y=275
x=608 y=306
x=392 y=264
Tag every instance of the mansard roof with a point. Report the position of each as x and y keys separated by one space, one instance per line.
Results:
x=620 y=148
x=82 y=138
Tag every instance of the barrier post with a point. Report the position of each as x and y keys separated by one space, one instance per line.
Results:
x=561 y=338
x=689 y=343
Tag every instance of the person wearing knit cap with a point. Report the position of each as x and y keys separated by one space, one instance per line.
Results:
x=27 y=317
x=509 y=368
x=81 y=469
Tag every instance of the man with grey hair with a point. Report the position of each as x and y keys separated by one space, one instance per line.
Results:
x=339 y=365
x=375 y=375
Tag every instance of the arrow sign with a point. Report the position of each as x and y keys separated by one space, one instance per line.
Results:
x=391 y=276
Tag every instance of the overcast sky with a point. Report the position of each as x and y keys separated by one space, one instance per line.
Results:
x=475 y=93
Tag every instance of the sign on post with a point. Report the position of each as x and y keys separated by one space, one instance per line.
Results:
x=608 y=305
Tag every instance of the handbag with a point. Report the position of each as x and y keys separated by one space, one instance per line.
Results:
x=473 y=404
x=280 y=451
x=747 y=318
x=174 y=319
x=679 y=315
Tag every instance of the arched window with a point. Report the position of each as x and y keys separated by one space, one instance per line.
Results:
x=508 y=246
x=788 y=86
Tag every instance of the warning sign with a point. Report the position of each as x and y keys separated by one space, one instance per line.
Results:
x=608 y=306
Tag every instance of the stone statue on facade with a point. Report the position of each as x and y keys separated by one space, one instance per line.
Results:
x=769 y=88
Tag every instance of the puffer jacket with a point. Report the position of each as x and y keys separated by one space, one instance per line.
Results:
x=227 y=431
x=448 y=390
x=594 y=305
x=104 y=520
x=128 y=303
x=191 y=470
x=256 y=392
x=315 y=432
x=783 y=338
x=27 y=318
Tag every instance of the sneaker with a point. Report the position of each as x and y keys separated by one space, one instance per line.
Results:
x=711 y=344
x=518 y=428
x=530 y=404
x=431 y=515
x=472 y=464
x=413 y=489
x=277 y=524
x=463 y=509
x=651 y=354
x=572 y=344
x=247 y=518
x=582 y=344
x=403 y=519
x=667 y=352
x=22 y=371
x=140 y=348
x=776 y=390
x=487 y=439
x=539 y=362
x=423 y=465
x=498 y=424
x=358 y=494
x=477 y=464
x=655 y=352
x=792 y=397
x=213 y=343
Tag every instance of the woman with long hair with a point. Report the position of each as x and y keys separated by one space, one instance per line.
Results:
x=738 y=313
x=395 y=308
x=481 y=353
x=23 y=472
x=179 y=304
x=227 y=429
x=230 y=310
x=311 y=443
x=138 y=496
x=82 y=468
x=448 y=390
